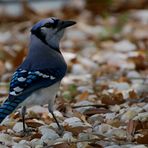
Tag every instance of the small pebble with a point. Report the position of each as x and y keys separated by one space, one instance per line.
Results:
x=18 y=127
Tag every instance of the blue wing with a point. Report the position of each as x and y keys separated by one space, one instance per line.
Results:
x=23 y=84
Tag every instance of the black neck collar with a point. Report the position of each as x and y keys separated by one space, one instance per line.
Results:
x=39 y=35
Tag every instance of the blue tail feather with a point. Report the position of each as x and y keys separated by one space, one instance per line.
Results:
x=7 y=108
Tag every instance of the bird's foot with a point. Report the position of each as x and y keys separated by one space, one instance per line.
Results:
x=60 y=130
x=26 y=132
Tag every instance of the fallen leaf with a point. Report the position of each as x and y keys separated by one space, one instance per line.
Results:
x=95 y=145
x=143 y=139
x=93 y=111
x=131 y=127
x=33 y=123
x=2 y=127
x=84 y=95
x=36 y=135
x=114 y=122
x=64 y=145
x=75 y=130
x=15 y=115
x=2 y=67
x=112 y=99
x=133 y=95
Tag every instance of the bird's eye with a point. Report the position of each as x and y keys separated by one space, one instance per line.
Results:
x=48 y=25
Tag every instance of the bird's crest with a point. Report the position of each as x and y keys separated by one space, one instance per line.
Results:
x=41 y=23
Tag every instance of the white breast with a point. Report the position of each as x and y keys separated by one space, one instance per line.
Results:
x=43 y=96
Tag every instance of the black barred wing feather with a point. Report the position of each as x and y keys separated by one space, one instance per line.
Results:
x=24 y=82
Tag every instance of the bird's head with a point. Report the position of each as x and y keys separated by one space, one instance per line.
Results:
x=51 y=30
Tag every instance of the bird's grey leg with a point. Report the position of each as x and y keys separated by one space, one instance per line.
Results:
x=23 y=112
x=59 y=126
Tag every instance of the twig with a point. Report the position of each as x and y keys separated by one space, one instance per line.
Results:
x=93 y=105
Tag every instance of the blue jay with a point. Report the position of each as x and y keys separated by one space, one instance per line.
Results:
x=37 y=79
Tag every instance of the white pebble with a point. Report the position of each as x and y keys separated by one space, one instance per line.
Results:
x=78 y=69
x=113 y=146
x=18 y=127
x=130 y=114
x=124 y=46
x=6 y=139
x=102 y=129
x=119 y=133
x=146 y=107
x=83 y=103
x=18 y=145
x=35 y=142
x=109 y=115
x=142 y=116
x=120 y=86
x=67 y=136
x=73 y=121
x=48 y=134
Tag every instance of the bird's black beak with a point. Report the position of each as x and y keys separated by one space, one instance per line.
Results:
x=66 y=24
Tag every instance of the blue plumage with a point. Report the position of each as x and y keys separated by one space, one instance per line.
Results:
x=41 y=71
x=23 y=79
x=43 y=22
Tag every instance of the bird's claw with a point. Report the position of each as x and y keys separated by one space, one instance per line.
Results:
x=26 y=132
x=60 y=130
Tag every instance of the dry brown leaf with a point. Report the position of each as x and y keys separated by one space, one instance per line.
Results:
x=93 y=111
x=2 y=127
x=112 y=99
x=118 y=98
x=17 y=138
x=15 y=115
x=36 y=135
x=77 y=114
x=131 y=127
x=2 y=67
x=144 y=125
x=114 y=122
x=83 y=96
x=46 y=118
x=32 y=123
x=106 y=99
x=123 y=79
x=64 y=145
x=89 y=146
x=83 y=118
x=143 y=139
x=95 y=145
x=133 y=95
x=139 y=62
x=75 y=130
x=134 y=126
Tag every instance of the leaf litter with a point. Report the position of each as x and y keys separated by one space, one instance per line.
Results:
x=102 y=101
